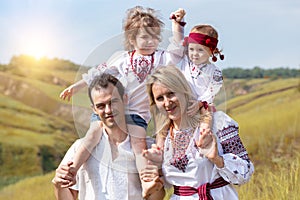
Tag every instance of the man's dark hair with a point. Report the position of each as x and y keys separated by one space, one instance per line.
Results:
x=102 y=81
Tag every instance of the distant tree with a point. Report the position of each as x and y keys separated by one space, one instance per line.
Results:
x=257 y=72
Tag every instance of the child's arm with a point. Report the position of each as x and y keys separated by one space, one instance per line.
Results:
x=63 y=177
x=178 y=25
x=175 y=49
x=72 y=89
x=90 y=140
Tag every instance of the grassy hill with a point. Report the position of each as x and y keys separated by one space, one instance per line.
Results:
x=269 y=119
x=37 y=128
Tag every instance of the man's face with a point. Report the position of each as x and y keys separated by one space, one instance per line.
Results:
x=109 y=105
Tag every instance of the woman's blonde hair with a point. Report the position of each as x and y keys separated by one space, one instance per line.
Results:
x=171 y=77
x=141 y=18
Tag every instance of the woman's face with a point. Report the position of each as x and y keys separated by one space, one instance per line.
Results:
x=168 y=101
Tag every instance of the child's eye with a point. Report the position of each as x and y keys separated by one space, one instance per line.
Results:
x=145 y=37
x=159 y=98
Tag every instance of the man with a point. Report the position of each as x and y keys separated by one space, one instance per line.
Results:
x=110 y=173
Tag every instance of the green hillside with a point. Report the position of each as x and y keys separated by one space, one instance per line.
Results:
x=36 y=127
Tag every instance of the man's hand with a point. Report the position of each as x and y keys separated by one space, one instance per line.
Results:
x=151 y=181
x=65 y=176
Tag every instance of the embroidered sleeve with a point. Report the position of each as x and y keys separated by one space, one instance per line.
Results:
x=237 y=166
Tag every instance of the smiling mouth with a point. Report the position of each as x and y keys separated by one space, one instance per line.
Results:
x=170 y=110
x=110 y=116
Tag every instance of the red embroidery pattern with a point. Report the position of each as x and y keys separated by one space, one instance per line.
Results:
x=180 y=163
x=180 y=144
x=141 y=66
x=231 y=142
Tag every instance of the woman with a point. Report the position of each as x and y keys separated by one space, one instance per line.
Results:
x=193 y=173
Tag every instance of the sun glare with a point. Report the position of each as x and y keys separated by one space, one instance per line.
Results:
x=36 y=49
x=36 y=44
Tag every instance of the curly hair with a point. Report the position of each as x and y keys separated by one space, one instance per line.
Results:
x=141 y=18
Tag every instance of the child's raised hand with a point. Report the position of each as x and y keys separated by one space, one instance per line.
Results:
x=193 y=108
x=67 y=93
x=178 y=15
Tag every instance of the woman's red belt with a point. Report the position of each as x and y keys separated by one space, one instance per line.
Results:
x=203 y=190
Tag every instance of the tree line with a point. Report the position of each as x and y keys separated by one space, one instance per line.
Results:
x=257 y=72
x=232 y=73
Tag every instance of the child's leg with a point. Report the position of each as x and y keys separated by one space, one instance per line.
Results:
x=205 y=140
x=137 y=130
x=138 y=144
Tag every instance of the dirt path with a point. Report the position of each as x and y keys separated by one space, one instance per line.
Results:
x=260 y=95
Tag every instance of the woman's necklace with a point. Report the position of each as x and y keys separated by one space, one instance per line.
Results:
x=140 y=67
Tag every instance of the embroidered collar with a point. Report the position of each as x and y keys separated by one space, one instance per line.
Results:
x=196 y=70
x=141 y=67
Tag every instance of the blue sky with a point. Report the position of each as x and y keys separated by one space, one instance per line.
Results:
x=262 y=33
